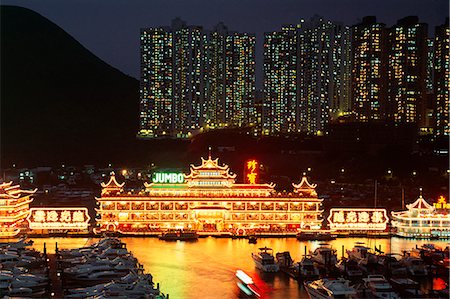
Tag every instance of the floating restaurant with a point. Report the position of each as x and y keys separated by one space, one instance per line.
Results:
x=422 y=220
x=208 y=200
x=14 y=208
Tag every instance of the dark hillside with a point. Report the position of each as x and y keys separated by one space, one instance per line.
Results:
x=59 y=102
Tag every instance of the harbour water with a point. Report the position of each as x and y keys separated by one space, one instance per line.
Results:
x=206 y=268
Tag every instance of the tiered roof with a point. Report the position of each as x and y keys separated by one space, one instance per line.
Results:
x=210 y=174
x=304 y=188
x=420 y=205
x=9 y=191
x=112 y=186
x=419 y=208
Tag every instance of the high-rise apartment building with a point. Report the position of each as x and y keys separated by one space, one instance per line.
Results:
x=306 y=76
x=230 y=85
x=369 y=71
x=280 y=104
x=408 y=49
x=441 y=78
x=430 y=66
x=156 y=90
x=323 y=72
x=193 y=79
x=188 y=77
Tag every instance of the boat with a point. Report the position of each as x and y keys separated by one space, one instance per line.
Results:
x=284 y=259
x=350 y=268
x=307 y=269
x=414 y=266
x=389 y=264
x=330 y=288
x=422 y=220
x=378 y=287
x=179 y=235
x=252 y=239
x=246 y=285
x=362 y=255
x=320 y=235
x=407 y=288
x=265 y=261
x=190 y=203
x=324 y=255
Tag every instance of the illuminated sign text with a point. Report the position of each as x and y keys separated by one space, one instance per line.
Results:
x=252 y=173
x=58 y=218
x=357 y=219
x=164 y=178
x=442 y=203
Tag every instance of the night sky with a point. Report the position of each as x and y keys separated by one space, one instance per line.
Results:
x=110 y=28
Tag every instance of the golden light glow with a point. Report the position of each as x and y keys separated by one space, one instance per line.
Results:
x=58 y=218
x=253 y=174
x=209 y=200
x=358 y=219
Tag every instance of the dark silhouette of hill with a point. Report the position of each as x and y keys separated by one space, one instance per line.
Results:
x=59 y=102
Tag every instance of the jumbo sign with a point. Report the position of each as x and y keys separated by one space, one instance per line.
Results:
x=168 y=177
x=357 y=219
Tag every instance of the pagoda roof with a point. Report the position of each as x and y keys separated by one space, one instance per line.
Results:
x=420 y=204
x=112 y=183
x=209 y=164
x=10 y=191
x=304 y=184
x=270 y=186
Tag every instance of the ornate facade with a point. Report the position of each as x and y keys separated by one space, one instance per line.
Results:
x=14 y=208
x=423 y=220
x=210 y=202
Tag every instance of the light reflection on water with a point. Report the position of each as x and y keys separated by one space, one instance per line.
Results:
x=205 y=268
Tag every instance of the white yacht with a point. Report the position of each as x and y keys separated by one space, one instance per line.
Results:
x=379 y=287
x=362 y=254
x=324 y=255
x=330 y=288
x=415 y=266
x=307 y=270
x=265 y=261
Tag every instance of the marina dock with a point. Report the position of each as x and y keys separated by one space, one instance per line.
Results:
x=55 y=279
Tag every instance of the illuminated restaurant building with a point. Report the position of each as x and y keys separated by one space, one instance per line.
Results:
x=208 y=200
x=14 y=208
x=422 y=220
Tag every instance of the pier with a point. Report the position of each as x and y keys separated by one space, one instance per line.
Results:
x=54 y=276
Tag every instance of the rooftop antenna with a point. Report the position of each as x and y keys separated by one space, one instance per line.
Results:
x=375 y=195
x=403 y=198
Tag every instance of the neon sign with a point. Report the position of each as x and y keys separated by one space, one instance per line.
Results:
x=442 y=203
x=252 y=173
x=58 y=218
x=357 y=219
x=168 y=177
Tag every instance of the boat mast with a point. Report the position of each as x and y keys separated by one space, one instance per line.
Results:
x=403 y=198
x=375 y=197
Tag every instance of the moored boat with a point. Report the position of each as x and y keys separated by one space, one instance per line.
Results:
x=307 y=269
x=407 y=288
x=324 y=255
x=378 y=287
x=329 y=289
x=179 y=235
x=320 y=235
x=265 y=261
x=252 y=239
